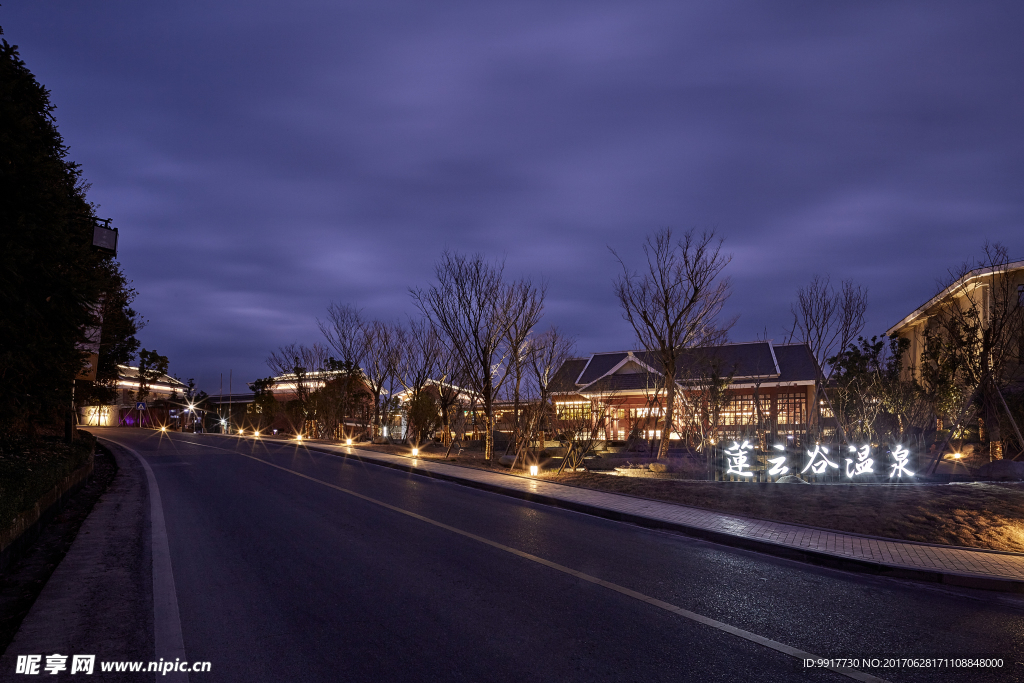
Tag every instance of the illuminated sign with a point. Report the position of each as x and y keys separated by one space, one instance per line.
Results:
x=737 y=458
x=815 y=464
x=778 y=464
x=741 y=459
x=900 y=455
x=862 y=464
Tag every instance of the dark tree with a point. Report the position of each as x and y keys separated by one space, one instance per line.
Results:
x=51 y=279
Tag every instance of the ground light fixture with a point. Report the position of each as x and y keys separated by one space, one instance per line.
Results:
x=256 y=433
x=415 y=451
x=163 y=429
x=348 y=442
x=957 y=456
x=533 y=470
x=298 y=437
x=241 y=431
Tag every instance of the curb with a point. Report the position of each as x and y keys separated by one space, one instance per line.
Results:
x=28 y=525
x=815 y=557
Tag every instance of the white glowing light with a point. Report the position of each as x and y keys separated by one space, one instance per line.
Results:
x=241 y=431
x=298 y=437
x=348 y=442
x=862 y=465
x=415 y=451
x=957 y=456
x=163 y=429
x=900 y=455
x=779 y=447
x=223 y=423
x=257 y=433
x=816 y=466
x=780 y=466
x=533 y=470
x=737 y=455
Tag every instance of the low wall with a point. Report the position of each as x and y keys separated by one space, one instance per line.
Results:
x=26 y=527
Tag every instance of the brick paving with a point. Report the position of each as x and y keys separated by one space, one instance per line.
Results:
x=952 y=560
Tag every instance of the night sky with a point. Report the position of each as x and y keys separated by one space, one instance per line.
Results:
x=263 y=159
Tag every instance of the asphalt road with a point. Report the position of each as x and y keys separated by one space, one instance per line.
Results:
x=281 y=577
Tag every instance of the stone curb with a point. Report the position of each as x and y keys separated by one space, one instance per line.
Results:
x=26 y=527
x=816 y=557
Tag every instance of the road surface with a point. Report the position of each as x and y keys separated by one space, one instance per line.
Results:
x=287 y=564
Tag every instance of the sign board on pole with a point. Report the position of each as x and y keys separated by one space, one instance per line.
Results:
x=105 y=239
x=140 y=405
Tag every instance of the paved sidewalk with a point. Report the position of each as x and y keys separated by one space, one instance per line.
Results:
x=952 y=565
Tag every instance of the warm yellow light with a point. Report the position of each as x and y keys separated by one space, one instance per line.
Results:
x=533 y=470
x=257 y=433
x=348 y=442
x=298 y=437
x=163 y=429
x=957 y=456
x=241 y=431
x=415 y=451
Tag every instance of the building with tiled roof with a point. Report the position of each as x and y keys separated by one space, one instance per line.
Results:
x=631 y=389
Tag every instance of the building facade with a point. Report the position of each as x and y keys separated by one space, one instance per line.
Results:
x=994 y=292
x=750 y=390
x=123 y=410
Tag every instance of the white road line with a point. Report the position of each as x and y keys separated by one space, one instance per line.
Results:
x=654 y=602
x=167 y=639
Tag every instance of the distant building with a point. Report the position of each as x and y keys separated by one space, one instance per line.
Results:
x=975 y=286
x=163 y=388
x=629 y=388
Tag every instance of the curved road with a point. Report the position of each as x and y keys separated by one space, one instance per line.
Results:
x=294 y=565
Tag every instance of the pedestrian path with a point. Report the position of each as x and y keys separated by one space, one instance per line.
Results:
x=952 y=565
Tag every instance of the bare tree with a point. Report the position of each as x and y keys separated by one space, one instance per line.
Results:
x=581 y=425
x=548 y=352
x=379 y=368
x=418 y=351
x=519 y=352
x=544 y=355
x=418 y=355
x=450 y=394
x=674 y=303
x=475 y=310
x=345 y=331
x=826 y=319
x=303 y=367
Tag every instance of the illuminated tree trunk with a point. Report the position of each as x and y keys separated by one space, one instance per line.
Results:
x=666 y=431
x=488 y=437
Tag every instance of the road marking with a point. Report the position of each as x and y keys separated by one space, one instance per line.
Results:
x=654 y=602
x=167 y=639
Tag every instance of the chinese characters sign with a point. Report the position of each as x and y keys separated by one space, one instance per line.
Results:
x=866 y=463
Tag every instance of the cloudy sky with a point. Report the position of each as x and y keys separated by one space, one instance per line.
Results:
x=263 y=159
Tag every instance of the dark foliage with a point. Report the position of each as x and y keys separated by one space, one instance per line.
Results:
x=52 y=281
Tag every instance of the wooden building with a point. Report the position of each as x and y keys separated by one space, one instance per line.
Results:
x=733 y=391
